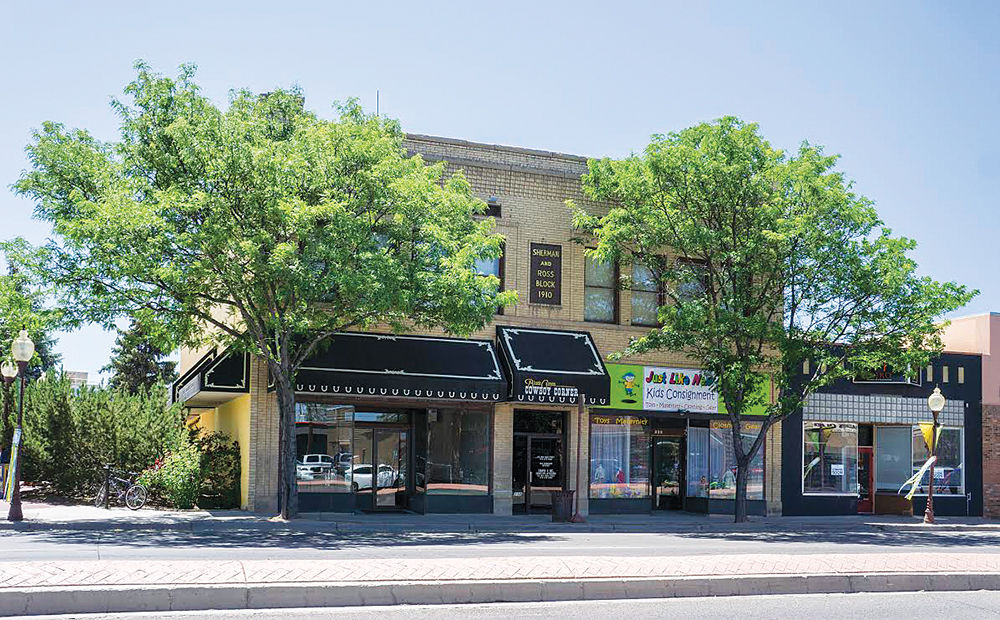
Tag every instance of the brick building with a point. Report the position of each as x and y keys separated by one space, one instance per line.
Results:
x=492 y=423
x=980 y=335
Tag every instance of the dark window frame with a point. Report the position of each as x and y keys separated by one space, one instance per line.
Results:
x=660 y=298
x=615 y=299
x=501 y=273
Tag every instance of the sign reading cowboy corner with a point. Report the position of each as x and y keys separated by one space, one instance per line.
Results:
x=656 y=388
x=543 y=389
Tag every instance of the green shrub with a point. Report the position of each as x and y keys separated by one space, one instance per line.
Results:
x=69 y=434
x=175 y=479
x=220 y=471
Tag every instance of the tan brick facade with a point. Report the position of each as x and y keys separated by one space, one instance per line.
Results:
x=532 y=188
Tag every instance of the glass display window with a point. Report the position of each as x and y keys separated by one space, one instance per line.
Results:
x=619 y=457
x=829 y=458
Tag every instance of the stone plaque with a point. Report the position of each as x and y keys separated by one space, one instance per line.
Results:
x=545 y=274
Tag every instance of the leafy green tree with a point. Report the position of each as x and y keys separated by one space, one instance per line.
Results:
x=136 y=362
x=765 y=261
x=260 y=225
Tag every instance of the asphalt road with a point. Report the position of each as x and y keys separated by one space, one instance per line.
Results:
x=951 y=605
x=255 y=544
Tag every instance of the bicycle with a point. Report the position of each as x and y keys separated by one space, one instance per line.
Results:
x=122 y=488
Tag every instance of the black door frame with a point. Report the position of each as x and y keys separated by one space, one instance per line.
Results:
x=681 y=437
x=371 y=504
x=563 y=437
x=562 y=463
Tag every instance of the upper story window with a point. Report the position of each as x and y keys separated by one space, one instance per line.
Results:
x=696 y=283
x=646 y=296
x=492 y=267
x=600 y=296
x=493 y=206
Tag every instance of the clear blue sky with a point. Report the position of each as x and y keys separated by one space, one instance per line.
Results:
x=907 y=92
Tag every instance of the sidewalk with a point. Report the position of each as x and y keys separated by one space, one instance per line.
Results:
x=38 y=516
x=116 y=586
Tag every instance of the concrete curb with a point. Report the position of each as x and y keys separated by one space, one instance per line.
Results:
x=310 y=526
x=184 y=597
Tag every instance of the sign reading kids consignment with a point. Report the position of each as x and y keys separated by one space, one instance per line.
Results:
x=673 y=389
x=545 y=274
x=654 y=388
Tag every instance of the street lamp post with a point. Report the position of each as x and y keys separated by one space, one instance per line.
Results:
x=8 y=372
x=936 y=403
x=22 y=349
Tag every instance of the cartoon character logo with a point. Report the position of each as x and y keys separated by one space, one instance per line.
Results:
x=628 y=381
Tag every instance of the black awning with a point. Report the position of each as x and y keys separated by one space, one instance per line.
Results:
x=214 y=379
x=356 y=364
x=553 y=366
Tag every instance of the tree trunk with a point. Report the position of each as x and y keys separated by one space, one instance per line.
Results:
x=288 y=495
x=740 y=509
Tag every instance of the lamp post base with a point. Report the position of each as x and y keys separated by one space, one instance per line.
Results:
x=15 y=514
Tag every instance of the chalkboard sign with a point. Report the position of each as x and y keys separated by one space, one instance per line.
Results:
x=545 y=274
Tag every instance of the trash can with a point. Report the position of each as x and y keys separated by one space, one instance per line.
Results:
x=562 y=506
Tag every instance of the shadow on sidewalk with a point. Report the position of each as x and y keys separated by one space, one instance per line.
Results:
x=277 y=539
x=878 y=538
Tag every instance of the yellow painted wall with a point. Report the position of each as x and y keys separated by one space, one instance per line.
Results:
x=207 y=421
x=233 y=419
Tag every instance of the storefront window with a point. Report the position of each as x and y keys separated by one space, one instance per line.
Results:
x=323 y=447
x=619 y=457
x=830 y=458
x=698 y=442
x=722 y=461
x=948 y=470
x=458 y=452
x=893 y=461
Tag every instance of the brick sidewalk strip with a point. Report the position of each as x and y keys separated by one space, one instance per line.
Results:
x=159 y=573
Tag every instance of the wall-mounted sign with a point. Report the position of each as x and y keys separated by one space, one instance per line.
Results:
x=887 y=375
x=545 y=389
x=655 y=388
x=626 y=420
x=545 y=274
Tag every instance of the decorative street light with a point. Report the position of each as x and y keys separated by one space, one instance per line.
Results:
x=8 y=372
x=936 y=403
x=22 y=349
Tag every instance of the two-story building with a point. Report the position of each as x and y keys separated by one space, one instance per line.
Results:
x=495 y=423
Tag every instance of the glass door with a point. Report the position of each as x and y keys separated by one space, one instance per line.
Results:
x=668 y=472
x=519 y=474
x=545 y=471
x=390 y=479
x=866 y=488
x=379 y=474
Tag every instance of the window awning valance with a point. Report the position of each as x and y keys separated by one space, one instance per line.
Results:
x=553 y=366
x=386 y=365
x=216 y=378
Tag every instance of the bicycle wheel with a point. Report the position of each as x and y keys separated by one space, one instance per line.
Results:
x=135 y=497
x=101 y=493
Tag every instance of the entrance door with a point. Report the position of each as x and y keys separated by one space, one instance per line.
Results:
x=668 y=472
x=380 y=474
x=866 y=487
x=545 y=471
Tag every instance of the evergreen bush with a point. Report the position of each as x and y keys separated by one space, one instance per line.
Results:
x=220 y=471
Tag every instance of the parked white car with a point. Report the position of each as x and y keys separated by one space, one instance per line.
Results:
x=303 y=472
x=360 y=477
x=318 y=464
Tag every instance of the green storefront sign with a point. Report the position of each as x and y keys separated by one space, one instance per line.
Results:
x=658 y=388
